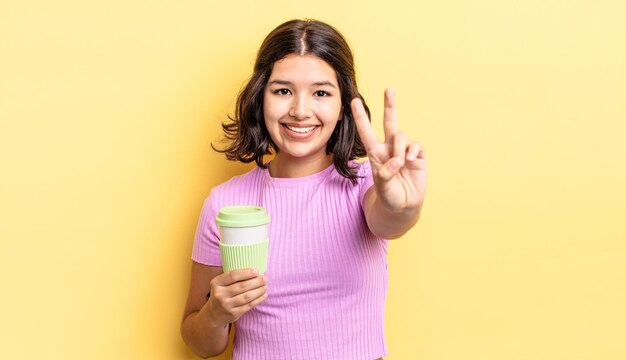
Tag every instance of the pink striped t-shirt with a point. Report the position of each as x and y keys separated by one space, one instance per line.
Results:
x=326 y=271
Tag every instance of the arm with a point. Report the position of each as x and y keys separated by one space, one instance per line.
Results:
x=205 y=322
x=385 y=223
x=201 y=333
x=393 y=204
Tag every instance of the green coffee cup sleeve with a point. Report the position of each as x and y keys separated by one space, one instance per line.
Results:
x=244 y=256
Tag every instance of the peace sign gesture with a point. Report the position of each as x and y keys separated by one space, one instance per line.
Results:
x=398 y=168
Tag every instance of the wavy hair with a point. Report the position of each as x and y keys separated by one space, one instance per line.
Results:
x=246 y=136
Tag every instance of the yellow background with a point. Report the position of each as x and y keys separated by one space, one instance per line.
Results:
x=107 y=110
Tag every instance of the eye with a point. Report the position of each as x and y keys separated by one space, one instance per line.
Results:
x=321 y=93
x=282 y=91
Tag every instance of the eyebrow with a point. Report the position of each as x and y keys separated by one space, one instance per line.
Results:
x=285 y=82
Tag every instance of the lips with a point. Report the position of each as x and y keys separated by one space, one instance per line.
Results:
x=299 y=132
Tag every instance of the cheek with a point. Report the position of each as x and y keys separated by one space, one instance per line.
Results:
x=330 y=113
x=272 y=110
x=265 y=108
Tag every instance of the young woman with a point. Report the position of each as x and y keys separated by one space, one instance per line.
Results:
x=323 y=294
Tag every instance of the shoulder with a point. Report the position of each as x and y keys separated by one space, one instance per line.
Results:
x=240 y=181
x=236 y=186
x=364 y=167
x=364 y=179
x=361 y=169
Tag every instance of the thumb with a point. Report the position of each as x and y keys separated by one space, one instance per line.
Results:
x=390 y=169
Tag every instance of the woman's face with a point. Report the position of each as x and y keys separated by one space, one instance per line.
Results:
x=301 y=106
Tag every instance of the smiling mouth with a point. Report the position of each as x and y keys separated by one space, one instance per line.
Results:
x=300 y=130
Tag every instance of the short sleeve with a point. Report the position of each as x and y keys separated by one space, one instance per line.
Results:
x=206 y=248
x=365 y=180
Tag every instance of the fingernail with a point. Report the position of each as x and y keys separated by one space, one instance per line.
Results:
x=255 y=272
x=410 y=156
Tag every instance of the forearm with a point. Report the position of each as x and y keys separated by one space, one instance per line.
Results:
x=202 y=335
x=386 y=223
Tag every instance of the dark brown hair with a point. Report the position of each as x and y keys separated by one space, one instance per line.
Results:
x=246 y=135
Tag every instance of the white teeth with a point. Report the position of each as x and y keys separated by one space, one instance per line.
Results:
x=301 y=130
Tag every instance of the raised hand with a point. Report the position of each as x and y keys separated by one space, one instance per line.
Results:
x=398 y=167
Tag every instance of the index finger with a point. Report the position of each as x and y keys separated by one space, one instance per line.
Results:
x=363 y=126
x=234 y=276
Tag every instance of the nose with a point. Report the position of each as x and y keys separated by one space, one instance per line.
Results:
x=300 y=108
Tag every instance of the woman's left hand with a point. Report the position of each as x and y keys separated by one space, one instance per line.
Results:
x=398 y=167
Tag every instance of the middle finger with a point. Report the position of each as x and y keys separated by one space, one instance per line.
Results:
x=247 y=285
x=390 y=119
x=248 y=296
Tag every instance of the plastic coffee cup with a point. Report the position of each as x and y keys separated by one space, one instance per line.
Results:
x=244 y=238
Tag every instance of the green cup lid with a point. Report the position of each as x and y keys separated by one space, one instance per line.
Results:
x=242 y=216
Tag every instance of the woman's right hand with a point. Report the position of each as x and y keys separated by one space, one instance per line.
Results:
x=233 y=294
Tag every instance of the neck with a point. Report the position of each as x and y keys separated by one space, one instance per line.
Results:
x=283 y=166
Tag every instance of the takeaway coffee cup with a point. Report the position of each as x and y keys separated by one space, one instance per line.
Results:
x=243 y=237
